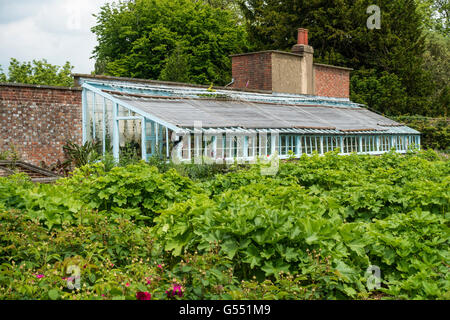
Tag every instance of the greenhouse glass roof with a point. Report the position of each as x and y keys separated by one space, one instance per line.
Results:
x=181 y=106
x=245 y=114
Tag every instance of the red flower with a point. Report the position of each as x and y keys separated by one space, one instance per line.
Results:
x=143 y=296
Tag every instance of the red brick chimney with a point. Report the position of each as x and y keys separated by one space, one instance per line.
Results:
x=307 y=70
x=302 y=36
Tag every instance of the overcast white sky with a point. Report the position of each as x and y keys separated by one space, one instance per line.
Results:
x=57 y=30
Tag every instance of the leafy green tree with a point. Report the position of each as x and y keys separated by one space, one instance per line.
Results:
x=442 y=9
x=176 y=67
x=38 y=72
x=379 y=92
x=435 y=15
x=437 y=62
x=339 y=35
x=138 y=39
x=231 y=5
x=2 y=75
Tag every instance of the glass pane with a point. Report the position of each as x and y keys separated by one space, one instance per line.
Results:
x=164 y=138
x=98 y=114
x=347 y=144
x=148 y=128
x=269 y=145
x=109 y=126
x=305 y=145
x=291 y=146
x=192 y=146
x=208 y=145
x=262 y=144
x=283 y=144
x=89 y=116
x=252 y=145
x=186 y=151
x=130 y=134
x=336 y=143
x=148 y=147
x=123 y=112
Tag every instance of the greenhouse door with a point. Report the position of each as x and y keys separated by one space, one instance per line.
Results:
x=155 y=135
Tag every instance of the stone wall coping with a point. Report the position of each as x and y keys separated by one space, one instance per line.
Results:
x=267 y=51
x=331 y=66
x=37 y=86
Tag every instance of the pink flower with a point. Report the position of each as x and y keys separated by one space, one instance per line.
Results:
x=127 y=284
x=143 y=296
x=103 y=295
x=39 y=276
x=176 y=291
x=160 y=266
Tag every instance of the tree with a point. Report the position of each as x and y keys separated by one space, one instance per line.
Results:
x=138 y=38
x=231 y=5
x=442 y=16
x=380 y=92
x=176 y=67
x=339 y=35
x=38 y=72
x=435 y=15
x=3 y=77
x=437 y=62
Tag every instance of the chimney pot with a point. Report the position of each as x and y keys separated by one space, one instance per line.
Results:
x=302 y=36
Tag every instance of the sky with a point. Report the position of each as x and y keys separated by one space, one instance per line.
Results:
x=56 y=30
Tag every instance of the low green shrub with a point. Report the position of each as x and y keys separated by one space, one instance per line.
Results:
x=310 y=231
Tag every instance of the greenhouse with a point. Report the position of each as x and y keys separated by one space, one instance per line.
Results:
x=196 y=124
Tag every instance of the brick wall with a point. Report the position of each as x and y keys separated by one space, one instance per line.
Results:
x=255 y=68
x=331 y=81
x=38 y=120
